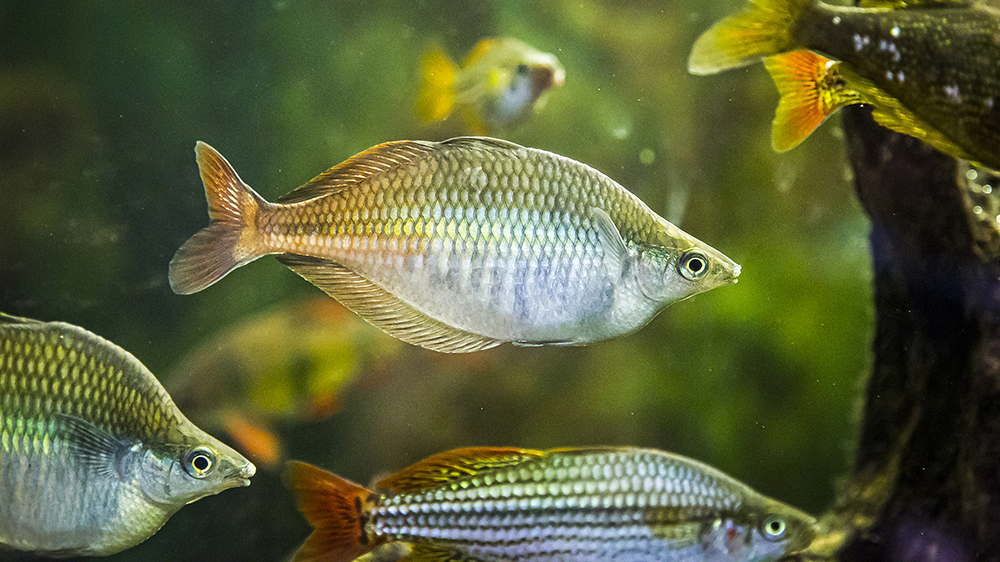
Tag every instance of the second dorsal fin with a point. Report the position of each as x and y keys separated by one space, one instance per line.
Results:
x=359 y=167
x=454 y=464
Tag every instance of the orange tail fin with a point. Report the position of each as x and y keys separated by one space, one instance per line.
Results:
x=437 y=93
x=222 y=246
x=810 y=91
x=336 y=509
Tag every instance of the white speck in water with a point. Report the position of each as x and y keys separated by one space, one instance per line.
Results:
x=987 y=189
x=647 y=156
x=883 y=45
x=900 y=76
x=858 y=43
x=894 y=31
x=977 y=210
x=953 y=93
x=836 y=20
x=888 y=75
x=971 y=174
x=989 y=102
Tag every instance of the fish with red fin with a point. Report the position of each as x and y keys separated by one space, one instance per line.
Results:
x=929 y=68
x=581 y=504
x=460 y=245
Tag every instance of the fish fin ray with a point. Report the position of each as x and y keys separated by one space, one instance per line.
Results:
x=359 y=168
x=615 y=251
x=805 y=100
x=454 y=464
x=383 y=309
x=11 y=320
x=335 y=507
x=473 y=141
x=223 y=245
x=436 y=98
x=741 y=39
x=426 y=552
x=95 y=448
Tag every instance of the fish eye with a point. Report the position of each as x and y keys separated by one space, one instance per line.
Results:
x=199 y=462
x=522 y=69
x=773 y=528
x=693 y=265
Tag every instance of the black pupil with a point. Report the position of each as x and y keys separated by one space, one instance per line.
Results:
x=776 y=527
x=200 y=463
x=697 y=265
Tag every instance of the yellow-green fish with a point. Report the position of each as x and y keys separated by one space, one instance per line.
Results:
x=579 y=505
x=930 y=68
x=498 y=85
x=460 y=245
x=94 y=455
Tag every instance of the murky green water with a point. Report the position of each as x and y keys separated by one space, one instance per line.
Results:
x=100 y=107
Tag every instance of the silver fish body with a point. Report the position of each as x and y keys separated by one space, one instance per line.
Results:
x=581 y=505
x=94 y=456
x=461 y=245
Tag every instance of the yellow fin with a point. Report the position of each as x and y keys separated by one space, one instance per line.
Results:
x=383 y=309
x=426 y=552
x=358 y=168
x=810 y=92
x=457 y=463
x=739 y=40
x=437 y=91
x=479 y=51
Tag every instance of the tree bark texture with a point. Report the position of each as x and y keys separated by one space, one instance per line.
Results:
x=925 y=485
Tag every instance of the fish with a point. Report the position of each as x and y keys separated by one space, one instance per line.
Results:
x=572 y=504
x=927 y=67
x=287 y=365
x=460 y=245
x=498 y=85
x=95 y=455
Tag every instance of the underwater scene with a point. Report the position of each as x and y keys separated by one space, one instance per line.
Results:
x=569 y=243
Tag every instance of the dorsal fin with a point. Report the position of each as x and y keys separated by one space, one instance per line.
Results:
x=454 y=464
x=480 y=142
x=358 y=168
x=479 y=51
x=11 y=319
x=383 y=309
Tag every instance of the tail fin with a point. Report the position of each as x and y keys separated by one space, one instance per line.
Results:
x=810 y=89
x=437 y=92
x=336 y=508
x=763 y=30
x=223 y=245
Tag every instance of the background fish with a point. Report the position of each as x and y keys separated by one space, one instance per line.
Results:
x=497 y=86
x=588 y=504
x=287 y=365
x=95 y=456
x=460 y=245
x=929 y=68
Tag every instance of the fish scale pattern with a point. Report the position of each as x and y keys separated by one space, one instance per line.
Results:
x=475 y=233
x=598 y=503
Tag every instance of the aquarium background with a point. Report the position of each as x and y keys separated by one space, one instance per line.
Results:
x=100 y=107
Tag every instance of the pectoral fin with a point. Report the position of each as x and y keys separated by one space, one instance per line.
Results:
x=615 y=251
x=97 y=449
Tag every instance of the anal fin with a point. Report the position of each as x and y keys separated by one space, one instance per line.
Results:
x=383 y=309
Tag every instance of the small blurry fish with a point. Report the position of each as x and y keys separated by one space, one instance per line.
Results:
x=929 y=67
x=587 y=504
x=460 y=245
x=498 y=85
x=289 y=364
x=95 y=456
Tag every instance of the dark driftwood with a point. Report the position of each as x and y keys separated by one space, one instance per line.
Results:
x=926 y=478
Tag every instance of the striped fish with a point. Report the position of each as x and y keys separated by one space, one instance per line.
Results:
x=580 y=505
x=460 y=245
x=94 y=455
